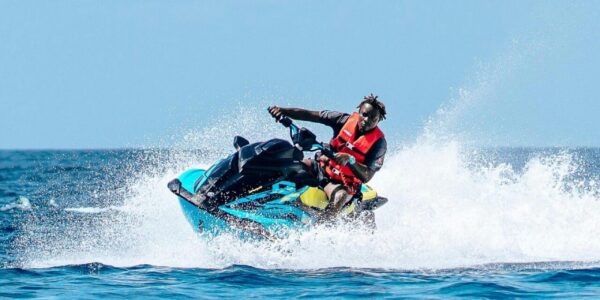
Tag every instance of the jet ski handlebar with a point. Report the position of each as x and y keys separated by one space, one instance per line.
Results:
x=286 y=122
x=304 y=139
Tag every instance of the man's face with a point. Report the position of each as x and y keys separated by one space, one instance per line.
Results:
x=369 y=117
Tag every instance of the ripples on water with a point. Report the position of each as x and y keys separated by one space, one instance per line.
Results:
x=65 y=217
x=98 y=280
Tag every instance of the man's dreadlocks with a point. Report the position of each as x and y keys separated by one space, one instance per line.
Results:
x=372 y=99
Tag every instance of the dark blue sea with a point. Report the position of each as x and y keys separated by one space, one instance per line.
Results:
x=460 y=222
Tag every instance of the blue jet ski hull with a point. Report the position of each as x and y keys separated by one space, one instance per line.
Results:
x=270 y=213
x=201 y=220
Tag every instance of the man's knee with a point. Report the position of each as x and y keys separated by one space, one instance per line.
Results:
x=337 y=195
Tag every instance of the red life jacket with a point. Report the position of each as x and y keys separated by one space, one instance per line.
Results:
x=346 y=142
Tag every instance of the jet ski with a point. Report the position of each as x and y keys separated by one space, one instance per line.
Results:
x=262 y=190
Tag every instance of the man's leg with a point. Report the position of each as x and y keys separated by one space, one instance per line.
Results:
x=338 y=197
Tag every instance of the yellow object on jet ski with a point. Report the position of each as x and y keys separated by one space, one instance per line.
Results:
x=316 y=198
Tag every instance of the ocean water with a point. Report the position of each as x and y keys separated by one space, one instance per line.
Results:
x=461 y=221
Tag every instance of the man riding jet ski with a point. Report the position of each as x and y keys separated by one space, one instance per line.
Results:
x=265 y=189
x=359 y=144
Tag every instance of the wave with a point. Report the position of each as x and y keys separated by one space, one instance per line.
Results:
x=22 y=203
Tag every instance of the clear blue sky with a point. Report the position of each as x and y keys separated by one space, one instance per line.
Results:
x=104 y=74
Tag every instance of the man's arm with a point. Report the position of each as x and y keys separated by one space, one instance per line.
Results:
x=373 y=161
x=294 y=113
x=363 y=172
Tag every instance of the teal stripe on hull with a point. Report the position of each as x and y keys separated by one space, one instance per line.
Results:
x=276 y=216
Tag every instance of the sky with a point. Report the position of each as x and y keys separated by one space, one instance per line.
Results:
x=113 y=74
